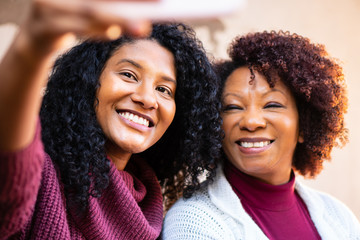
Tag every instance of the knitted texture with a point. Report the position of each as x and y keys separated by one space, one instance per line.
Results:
x=33 y=204
x=19 y=185
x=216 y=213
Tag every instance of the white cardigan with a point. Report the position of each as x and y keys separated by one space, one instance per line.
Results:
x=216 y=213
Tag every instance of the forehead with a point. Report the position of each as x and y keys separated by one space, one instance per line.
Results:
x=148 y=54
x=241 y=79
x=142 y=47
x=240 y=76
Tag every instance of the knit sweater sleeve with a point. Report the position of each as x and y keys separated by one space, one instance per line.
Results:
x=195 y=218
x=20 y=177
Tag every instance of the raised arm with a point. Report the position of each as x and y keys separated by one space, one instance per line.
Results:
x=25 y=67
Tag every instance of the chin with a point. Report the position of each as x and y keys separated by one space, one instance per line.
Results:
x=135 y=149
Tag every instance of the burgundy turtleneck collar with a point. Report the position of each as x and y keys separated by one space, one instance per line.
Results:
x=277 y=209
x=259 y=194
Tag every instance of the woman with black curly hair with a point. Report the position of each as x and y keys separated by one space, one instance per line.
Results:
x=90 y=168
x=283 y=104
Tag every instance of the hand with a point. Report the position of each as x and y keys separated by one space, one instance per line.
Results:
x=50 y=22
x=24 y=69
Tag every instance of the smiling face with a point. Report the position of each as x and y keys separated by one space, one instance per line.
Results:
x=136 y=98
x=261 y=126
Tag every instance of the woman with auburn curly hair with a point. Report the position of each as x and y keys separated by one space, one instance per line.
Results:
x=283 y=104
x=91 y=167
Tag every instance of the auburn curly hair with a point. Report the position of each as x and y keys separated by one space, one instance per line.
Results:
x=314 y=78
x=75 y=142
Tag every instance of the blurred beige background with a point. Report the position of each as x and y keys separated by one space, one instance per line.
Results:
x=335 y=23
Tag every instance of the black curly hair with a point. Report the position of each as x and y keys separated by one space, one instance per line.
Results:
x=75 y=142
x=314 y=78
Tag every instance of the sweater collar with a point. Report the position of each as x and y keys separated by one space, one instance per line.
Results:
x=258 y=194
x=132 y=203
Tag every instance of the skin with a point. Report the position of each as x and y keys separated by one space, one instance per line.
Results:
x=139 y=79
x=47 y=29
x=254 y=112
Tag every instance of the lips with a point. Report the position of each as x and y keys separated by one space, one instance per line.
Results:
x=254 y=146
x=254 y=142
x=136 y=118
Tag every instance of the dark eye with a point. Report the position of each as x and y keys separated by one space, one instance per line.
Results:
x=128 y=75
x=164 y=90
x=273 y=105
x=231 y=107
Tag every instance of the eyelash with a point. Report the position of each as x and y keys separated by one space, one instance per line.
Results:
x=231 y=107
x=129 y=75
x=165 y=89
x=273 y=105
x=160 y=89
x=235 y=107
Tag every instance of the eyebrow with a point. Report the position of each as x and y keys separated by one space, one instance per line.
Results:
x=137 y=65
x=232 y=94
x=125 y=60
x=240 y=96
x=275 y=90
x=169 y=80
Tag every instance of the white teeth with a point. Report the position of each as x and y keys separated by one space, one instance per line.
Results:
x=135 y=118
x=254 y=144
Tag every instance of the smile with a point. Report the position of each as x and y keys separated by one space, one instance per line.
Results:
x=254 y=144
x=135 y=118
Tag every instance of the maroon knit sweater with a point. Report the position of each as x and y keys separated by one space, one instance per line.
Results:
x=33 y=206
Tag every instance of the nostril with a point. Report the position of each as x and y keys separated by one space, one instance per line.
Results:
x=146 y=100
x=252 y=124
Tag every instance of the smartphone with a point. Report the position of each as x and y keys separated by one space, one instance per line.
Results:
x=173 y=9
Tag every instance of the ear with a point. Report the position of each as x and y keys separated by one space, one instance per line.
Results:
x=301 y=138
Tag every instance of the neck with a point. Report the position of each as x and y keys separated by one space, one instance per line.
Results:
x=274 y=179
x=279 y=176
x=119 y=157
x=120 y=160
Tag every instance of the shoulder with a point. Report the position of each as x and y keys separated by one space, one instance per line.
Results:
x=312 y=196
x=325 y=208
x=194 y=218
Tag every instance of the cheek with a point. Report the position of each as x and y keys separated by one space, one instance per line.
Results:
x=168 y=113
x=289 y=126
x=229 y=131
x=227 y=125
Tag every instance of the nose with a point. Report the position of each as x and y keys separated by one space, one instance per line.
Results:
x=145 y=96
x=252 y=120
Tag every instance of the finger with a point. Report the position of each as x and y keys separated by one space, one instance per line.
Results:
x=137 y=28
x=97 y=13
